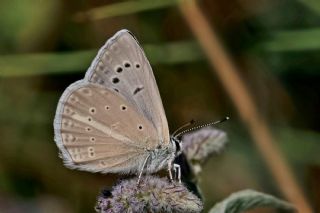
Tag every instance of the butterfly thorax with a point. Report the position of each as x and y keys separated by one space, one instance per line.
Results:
x=161 y=156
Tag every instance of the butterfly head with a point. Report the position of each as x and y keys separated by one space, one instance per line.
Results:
x=176 y=144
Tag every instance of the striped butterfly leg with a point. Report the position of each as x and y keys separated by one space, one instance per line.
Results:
x=142 y=168
x=177 y=172
x=170 y=171
x=176 y=169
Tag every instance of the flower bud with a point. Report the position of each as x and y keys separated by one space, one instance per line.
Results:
x=153 y=194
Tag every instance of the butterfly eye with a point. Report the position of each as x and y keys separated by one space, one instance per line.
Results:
x=115 y=80
x=91 y=152
x=127 y=65
x=119 y=69
x=123 y=107
x=88 y=129
x=140 y=127
x=92 y=139
x=137 y=66
x=89 y=119
x=106 y=107
x=92 y=110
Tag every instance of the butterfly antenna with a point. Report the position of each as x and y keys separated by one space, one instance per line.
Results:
x=183 y=126
x=201 y=126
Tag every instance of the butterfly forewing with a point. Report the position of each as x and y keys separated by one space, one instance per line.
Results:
x=97 y=129
x=122 y=66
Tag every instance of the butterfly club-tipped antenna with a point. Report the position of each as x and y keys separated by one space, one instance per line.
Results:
x=181 y=127
x=200 y=126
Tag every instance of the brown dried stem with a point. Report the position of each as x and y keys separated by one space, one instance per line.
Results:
x=228 y=74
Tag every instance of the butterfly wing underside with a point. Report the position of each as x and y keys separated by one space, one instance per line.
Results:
x=122 y=66
x=98 y=130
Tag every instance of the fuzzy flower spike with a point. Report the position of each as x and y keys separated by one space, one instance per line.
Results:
x=154 y=195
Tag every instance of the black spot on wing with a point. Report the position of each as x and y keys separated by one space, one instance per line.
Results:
x=138 y=89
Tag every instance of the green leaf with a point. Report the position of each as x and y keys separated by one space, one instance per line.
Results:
x=124 y=8
x=293 y=40
x=46 y=63
x=298 y=145
x=26 y=25
x=313 y=5
x=249 y=199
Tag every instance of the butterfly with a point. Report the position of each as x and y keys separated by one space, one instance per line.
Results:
x=113 y=120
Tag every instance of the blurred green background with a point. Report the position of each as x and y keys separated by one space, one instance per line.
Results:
x=47 y=45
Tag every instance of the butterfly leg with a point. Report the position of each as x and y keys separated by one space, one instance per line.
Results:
x=142 y=168
x=177 y=170
x=169 y=170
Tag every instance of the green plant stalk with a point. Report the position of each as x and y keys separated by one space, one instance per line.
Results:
x=68 y=62
x=124 y=8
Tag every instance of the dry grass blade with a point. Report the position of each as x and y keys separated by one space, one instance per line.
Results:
x=258 y=128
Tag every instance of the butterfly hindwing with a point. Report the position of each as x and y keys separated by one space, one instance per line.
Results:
x=98 y=130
